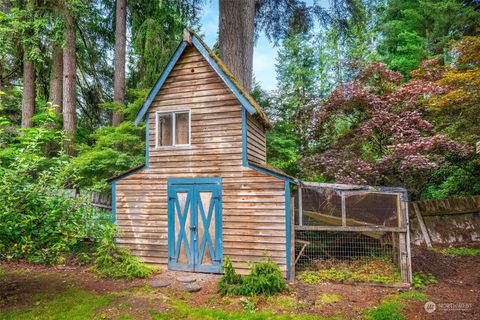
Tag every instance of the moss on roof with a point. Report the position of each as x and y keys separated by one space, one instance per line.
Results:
x=259 y=112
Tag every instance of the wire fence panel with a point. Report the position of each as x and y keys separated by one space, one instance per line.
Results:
x=360 y=230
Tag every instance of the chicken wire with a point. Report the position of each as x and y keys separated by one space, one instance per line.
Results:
x=344 y=225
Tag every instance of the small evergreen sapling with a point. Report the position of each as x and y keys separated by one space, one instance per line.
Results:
x=265 y=279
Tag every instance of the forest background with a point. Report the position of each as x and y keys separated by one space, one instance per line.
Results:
x=381 y=92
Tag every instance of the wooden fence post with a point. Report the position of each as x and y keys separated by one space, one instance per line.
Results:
x=423 y=227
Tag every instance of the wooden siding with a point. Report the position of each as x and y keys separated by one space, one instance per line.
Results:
x=253 y=202
x=256 y=144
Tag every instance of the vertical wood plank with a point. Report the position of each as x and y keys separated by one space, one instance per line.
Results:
x=423 y=227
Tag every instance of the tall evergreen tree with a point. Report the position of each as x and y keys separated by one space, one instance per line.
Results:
x=28 y=99
x=413 y=30
x=69 y=81
x=56 y=78
x=236 y=38
x=156 y=28
x=239 y=21
x=120 y=56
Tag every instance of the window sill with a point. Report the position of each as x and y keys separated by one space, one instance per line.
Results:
x=183 y=146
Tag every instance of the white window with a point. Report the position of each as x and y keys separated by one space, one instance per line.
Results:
x=173 y=128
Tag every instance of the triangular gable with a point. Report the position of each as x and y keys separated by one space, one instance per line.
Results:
x=190 y=38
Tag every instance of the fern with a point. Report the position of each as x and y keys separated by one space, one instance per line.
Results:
x=265 y=279
x=114 y=262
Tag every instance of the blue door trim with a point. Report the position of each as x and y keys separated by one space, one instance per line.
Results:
x=212 y=180
x=198 y=214
x=114 y=201
x=288 y=229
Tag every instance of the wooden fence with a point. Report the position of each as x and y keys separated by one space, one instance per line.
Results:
x=445 y=221
x=97 y=199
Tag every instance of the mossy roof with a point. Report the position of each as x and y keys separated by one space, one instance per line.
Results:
x=259 y=112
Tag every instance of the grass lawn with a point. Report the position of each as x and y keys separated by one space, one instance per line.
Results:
x=77 y=304
x=73 y=304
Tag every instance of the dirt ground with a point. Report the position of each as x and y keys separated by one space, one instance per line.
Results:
x=456 y=294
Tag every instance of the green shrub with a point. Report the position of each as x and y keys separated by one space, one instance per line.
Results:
x=459 y=251
x=117 y=263
x=115 y=149
x=265 y=278
x=38 y=221
x=387 y=310
x=421 y=280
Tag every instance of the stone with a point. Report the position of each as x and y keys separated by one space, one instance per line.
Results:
x=160 y=283
x=186 y=279
x=191 y=287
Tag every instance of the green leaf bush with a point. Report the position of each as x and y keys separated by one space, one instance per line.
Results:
x=421 y=280
x=39 y=221
x=117 y=263
x=265 y=279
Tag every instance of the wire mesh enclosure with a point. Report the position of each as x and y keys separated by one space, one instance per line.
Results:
x=361 y=231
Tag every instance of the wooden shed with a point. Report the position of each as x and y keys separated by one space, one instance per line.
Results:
x=205 y=191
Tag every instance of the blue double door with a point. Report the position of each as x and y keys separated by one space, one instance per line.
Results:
x=195 y=224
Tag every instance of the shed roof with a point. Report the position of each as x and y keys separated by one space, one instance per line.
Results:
x=192 y=39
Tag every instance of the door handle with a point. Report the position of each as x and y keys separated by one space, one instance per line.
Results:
x=194 y=230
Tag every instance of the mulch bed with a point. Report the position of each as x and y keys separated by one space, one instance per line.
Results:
x=458 y=283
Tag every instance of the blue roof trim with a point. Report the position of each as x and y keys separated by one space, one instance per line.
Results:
x=250 y=165
x=204 y=52
x=171 y=64
x=158 y=85
x=127 y=173
x=272 y=173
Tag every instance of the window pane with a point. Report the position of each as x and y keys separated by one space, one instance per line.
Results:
x=165 y=129
x=181 y=128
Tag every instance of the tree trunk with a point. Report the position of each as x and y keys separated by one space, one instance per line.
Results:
x=236 y=38
x=69 y=84
x=56 y=78
x=2 y=85
x=28 y=99
x=120 y=43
